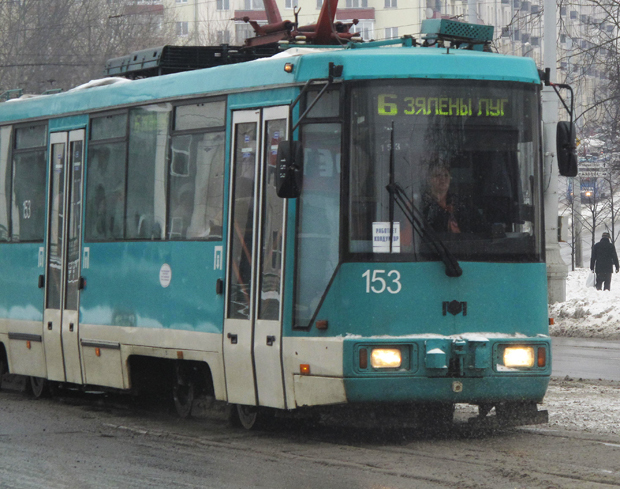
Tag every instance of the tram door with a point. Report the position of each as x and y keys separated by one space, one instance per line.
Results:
x=61 y=325
x=253 y=324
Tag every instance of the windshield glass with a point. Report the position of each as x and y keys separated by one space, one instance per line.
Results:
x=461 y=155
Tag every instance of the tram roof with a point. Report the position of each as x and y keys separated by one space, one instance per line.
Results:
x=311 y=63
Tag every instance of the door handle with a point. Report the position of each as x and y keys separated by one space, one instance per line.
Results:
x=71 y=327
x=41 y=281
x=233 y=338
x=49 y=325
x=271 y=340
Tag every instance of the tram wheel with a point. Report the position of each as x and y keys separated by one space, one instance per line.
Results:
x=247 y=416
x=40 y=387
x=183 y=395
x=253 y=417
x=2 y=369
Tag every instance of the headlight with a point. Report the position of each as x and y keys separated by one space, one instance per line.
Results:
x=385 y=358
x=519 y=356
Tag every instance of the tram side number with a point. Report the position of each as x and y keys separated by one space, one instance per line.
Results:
x=380 y=281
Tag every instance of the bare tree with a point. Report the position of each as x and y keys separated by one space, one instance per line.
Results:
x=595 y=211
x=61 y=43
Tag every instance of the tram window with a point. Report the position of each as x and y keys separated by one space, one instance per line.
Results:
x=199 y=116
x=30 y=137
x=146 y=172
x=196 y=186
x=28 y=189
x=5 y=182
x=105 y=192
x=319 y=218
x=327 y=106
x=272 y=239
x=108 y=127
x=469 y=174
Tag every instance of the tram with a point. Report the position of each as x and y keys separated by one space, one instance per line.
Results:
x=259 y=232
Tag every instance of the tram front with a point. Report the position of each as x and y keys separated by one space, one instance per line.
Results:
x=419 y=243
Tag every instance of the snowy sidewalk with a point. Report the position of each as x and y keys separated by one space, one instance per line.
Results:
x=587 y=312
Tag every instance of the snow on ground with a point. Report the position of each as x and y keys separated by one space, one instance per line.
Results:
x=588 y=406
x=587 y=312
x=583 y=405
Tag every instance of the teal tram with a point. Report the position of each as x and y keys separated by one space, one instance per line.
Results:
x=270 y=233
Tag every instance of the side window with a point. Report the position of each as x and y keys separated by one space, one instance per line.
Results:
x=146 y=171
x=105 y=184
x=28 y=189
x=196 y=173
x=143 y=183
x=319 y=217
x=5 y=181
x=318 y=207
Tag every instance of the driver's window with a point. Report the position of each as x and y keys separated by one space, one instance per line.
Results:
x=5 y=182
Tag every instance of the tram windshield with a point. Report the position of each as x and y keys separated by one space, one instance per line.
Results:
x=458 y=157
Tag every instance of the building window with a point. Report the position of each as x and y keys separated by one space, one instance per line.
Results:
x=319 y=4
x=291 y=4
x=254 y=5
x=242 y=32
x=357 y=3
x=366 y=28
x=223 y=4
x=391 y=3
x=181 y=1
x=391 y=32
x=223 y=37
x=182 y=29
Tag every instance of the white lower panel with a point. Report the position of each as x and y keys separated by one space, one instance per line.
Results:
x=267 y=345
x=157 y=343
x=239 y=368
x=323 y=355
x=24 y=347
x=103 y=365
x=71 y=347
x=314 y=391
x=52 y=344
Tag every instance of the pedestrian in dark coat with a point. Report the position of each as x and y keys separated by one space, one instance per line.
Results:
x=603 y=259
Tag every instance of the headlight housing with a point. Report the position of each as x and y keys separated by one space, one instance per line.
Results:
x=519 y=357
x=386 y=358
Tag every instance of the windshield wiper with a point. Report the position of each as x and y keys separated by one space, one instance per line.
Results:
x=398 y=195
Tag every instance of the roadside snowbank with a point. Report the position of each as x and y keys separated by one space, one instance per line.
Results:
x=587 y=312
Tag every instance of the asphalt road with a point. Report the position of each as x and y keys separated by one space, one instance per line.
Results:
x=82 y=442
x=586 y=359
x=101 y=442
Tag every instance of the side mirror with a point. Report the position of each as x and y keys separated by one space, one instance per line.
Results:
x=566 y=149
x=289 y=171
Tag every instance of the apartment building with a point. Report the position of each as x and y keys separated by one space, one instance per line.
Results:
x=518 y=27
x=222 y=20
